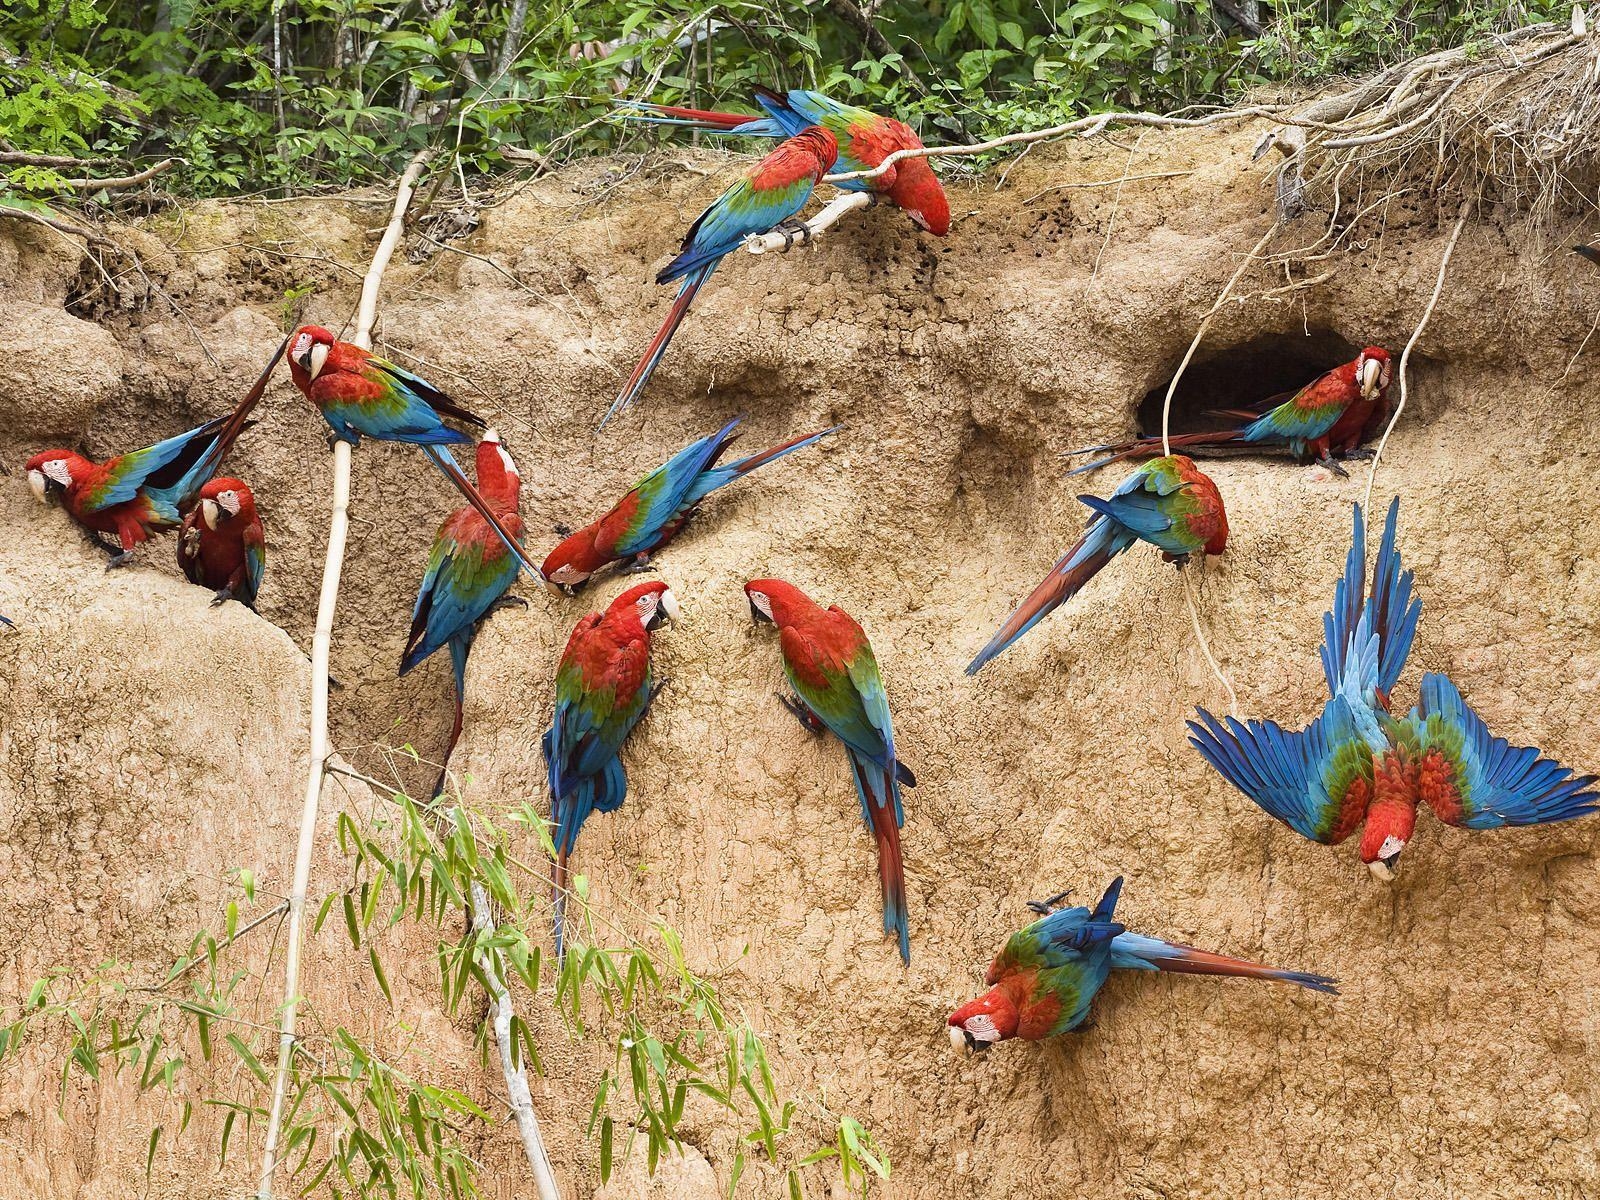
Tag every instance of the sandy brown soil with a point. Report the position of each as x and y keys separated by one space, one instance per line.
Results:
x=149 y=743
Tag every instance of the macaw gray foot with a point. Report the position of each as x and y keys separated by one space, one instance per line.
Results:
x=1045 y=907
x=222 y=597
x=1327 y=461
x=562 y=531
x=792 y=229
x=1358 y=454
x=120 y=560
x=640 y=565
x=509 y=602
x=801 y=713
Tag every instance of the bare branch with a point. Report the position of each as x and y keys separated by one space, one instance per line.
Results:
x=761 y=243
x=321 y=647
x=123 y=181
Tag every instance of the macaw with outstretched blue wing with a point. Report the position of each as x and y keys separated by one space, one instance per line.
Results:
x=1359 y=767
x=766 y=196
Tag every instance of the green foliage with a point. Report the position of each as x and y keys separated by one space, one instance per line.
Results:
x=295 y=94
x=368 y=1122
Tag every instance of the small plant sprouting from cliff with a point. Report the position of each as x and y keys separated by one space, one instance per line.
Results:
x=369 y=1117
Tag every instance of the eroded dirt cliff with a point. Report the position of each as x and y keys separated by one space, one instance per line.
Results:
x=150 y=743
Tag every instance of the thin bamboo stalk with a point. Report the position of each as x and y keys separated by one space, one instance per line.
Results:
x=321 y=646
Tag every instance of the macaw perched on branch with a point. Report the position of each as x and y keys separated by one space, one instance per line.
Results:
x=469 y=572
x=865 y=139
x=658 y=507
x=765 y=197
x=1168 y=502
x=222 y=544
x=1334 y=413
x=1044 y=980
x=1356 y=763
x=834 y=673
x=360 y=394
x=145 y=491
x=604 y=686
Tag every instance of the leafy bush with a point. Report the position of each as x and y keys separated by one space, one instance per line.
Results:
x=297 y=94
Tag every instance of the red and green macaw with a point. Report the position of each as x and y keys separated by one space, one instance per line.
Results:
x=362 y=395
x=469 y=572
x=865 y=139
x=145 y=491
x=1358 y=764
x=1334 y=413
x=222 y=544
x=657 y=508
x=604 y=685
x=831 y=667
x=1168 y=502
x=766 y=196
x=1046 y=977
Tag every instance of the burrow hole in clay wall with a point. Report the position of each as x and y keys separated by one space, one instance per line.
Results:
x=1242 y=376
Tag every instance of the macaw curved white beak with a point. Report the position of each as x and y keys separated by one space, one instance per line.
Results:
x=37 y=484
x=208 y=513
x=1381 y=870
x=314 y=359
x=1371 y=370
x=669 y=607
x=958 y=1039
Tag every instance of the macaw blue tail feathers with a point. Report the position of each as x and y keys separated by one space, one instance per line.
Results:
x=634 y=388
x=1101 y=542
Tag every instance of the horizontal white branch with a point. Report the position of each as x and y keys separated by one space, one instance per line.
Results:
x=760 y=243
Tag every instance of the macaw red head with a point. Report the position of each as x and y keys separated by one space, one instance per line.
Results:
x=569 y=565
x=918 y=191
x=51 y=472
x=1372 y=371
x=652 y=603
x=1389 y=828
x=776 y=601
x=224 y=501
x=498 y=479
x=309 y=347
x=979 y=1024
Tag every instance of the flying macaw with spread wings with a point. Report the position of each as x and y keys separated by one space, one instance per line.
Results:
x=1357 y=764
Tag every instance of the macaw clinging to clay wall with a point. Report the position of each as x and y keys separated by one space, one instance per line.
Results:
x=656 y=509
x=1046 y=977
x=469 y=572
x=1168 y=502
x=1333 y=414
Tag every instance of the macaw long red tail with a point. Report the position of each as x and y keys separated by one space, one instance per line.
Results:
x=745 y=465
x=1099 y=545
x=1150 y=447
x=892 y=876
x=1138 y=952
x=441 y=457
x=658 y=345
x=459 y=646
x=693 y=118
x=558 y=893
